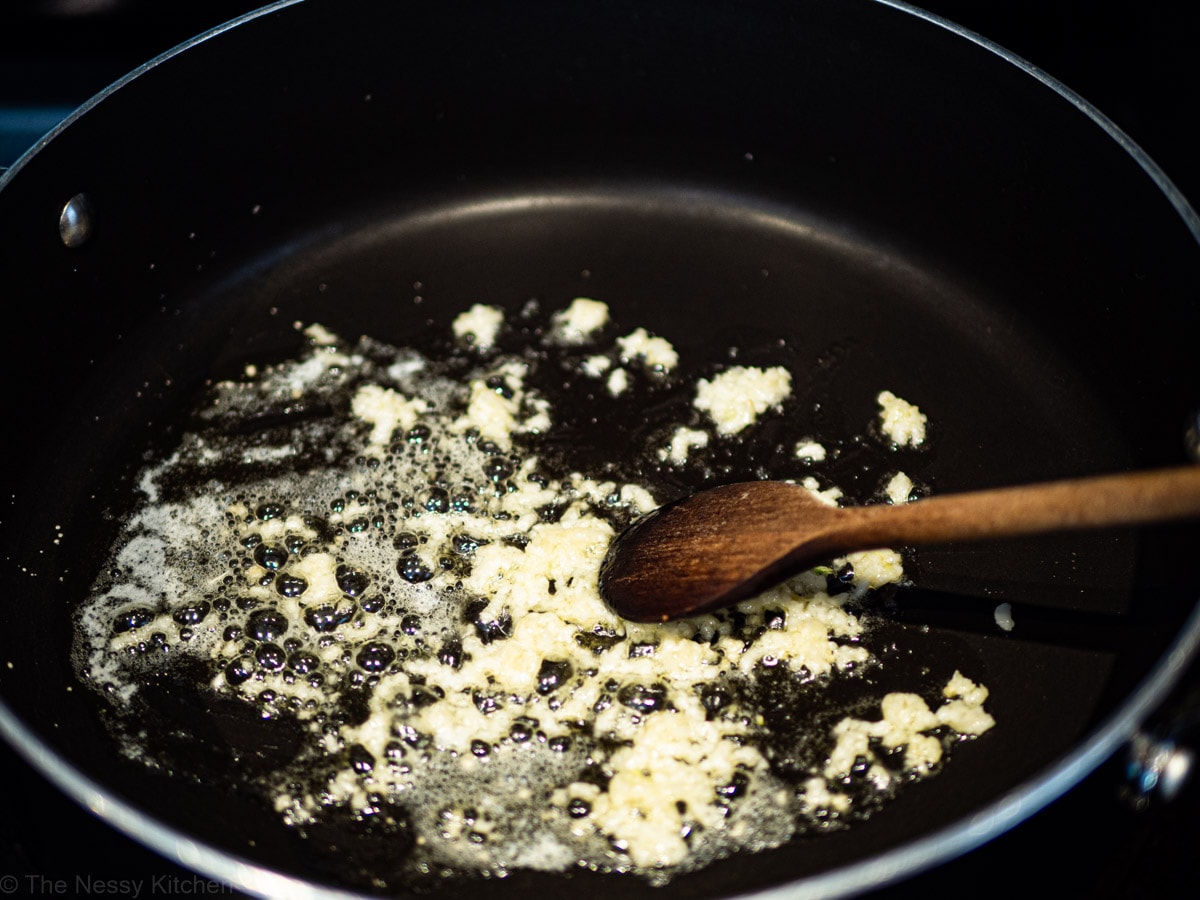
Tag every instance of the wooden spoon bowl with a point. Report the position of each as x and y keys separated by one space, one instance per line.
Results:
x=727 y=544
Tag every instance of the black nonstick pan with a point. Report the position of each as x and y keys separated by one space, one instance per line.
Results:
x=893 y=200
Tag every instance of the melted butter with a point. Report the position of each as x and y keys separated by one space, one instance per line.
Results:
x=428 y=565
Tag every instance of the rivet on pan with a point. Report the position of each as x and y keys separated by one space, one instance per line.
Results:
x=1155 y=769
x=75 y=224
x=1191 y=436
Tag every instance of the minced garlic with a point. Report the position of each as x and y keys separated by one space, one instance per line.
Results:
x=579 y=321
x=735 y=398
x=480 y=325
x=901 y=421
x=655 y=352
x=435 y=572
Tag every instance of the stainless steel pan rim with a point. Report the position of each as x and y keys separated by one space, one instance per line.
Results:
x=8 y=174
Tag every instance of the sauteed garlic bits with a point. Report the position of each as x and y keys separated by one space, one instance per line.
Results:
x=386 y=549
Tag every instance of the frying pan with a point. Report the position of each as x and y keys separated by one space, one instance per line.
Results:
x=900 y=202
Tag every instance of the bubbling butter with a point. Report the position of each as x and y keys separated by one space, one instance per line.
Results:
x=414 y=554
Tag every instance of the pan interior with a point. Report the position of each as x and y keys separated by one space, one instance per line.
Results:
x=728 y=280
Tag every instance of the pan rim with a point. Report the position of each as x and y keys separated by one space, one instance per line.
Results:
x=1160 y=178
x=7 y=175
x=905 y=861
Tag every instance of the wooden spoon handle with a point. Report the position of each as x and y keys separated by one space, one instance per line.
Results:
x=1107 y=500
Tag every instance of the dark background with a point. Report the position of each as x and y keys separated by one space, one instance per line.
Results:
x=1137 y=62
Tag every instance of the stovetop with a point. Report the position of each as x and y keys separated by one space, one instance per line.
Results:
x=1136 y=63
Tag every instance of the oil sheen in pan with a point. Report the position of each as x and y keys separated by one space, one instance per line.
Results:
x=591 y=413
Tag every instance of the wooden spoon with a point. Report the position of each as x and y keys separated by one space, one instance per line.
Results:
x=727 y=544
